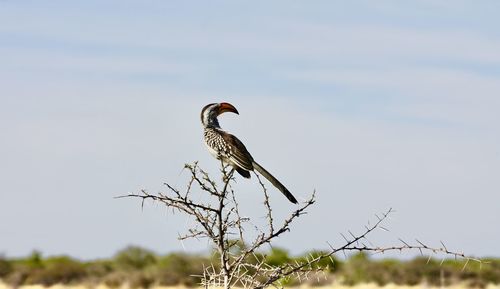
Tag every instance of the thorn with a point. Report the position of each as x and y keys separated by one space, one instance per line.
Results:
x=444 y=246
x=344 y=238
x=406 y=244
x=422 y=244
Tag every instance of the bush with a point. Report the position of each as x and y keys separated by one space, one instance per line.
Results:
x=277 y=257
x=134 y=258
x=356 y=269
x=115 y=279
x=177 y=269
x=137 y=267
x=98 y=269
x=62 y=270
x=5 y=267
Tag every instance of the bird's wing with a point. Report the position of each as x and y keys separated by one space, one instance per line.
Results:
x=238 y=153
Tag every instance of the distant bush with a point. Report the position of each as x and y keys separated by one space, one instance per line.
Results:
x=58 y=270
x=22 y=269
x=33 y=261
x=137 y=267
x=277 y=257
x=115 y=279
x=5 y=267
x=175 y=269
x=136 y=279
x=356 y=269
x=134 y=258
x=333 y=263
x=99 y=269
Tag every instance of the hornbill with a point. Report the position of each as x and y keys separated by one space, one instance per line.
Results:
x=228 y=148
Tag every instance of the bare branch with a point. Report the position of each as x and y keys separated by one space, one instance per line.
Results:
x=218 y=218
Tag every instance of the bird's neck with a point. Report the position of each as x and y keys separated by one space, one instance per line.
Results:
x=212 y=123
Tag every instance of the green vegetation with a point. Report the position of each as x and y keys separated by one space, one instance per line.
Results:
x=139 y=267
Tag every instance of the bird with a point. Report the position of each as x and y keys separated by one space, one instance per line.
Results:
x=228 y=148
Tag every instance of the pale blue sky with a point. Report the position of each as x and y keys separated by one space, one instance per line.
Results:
x=374 y=104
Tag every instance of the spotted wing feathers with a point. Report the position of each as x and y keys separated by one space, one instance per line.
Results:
x=238 y=153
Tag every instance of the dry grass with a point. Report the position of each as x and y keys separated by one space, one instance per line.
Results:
x=335 y=286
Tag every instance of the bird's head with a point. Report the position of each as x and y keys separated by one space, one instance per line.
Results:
x=211 y=111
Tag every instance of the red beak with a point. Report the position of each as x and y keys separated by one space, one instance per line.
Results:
x=226 y=107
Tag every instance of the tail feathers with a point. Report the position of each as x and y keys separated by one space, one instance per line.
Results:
x=275 y=182
x=243 y=173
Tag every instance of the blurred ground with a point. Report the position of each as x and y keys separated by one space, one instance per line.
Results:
x=334 y=286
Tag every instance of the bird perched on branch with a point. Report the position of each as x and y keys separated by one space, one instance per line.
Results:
x=228 y=148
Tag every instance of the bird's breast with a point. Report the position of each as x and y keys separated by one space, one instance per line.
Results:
x=212 y=150
x=215 y=144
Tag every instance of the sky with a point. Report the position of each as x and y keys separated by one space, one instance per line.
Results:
x=372 y=104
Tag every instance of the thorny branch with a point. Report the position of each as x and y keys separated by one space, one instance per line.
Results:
x=218 y=218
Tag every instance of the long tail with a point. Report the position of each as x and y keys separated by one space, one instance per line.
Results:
x=275 y=182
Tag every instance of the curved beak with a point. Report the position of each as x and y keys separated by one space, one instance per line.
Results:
x=226 y=107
